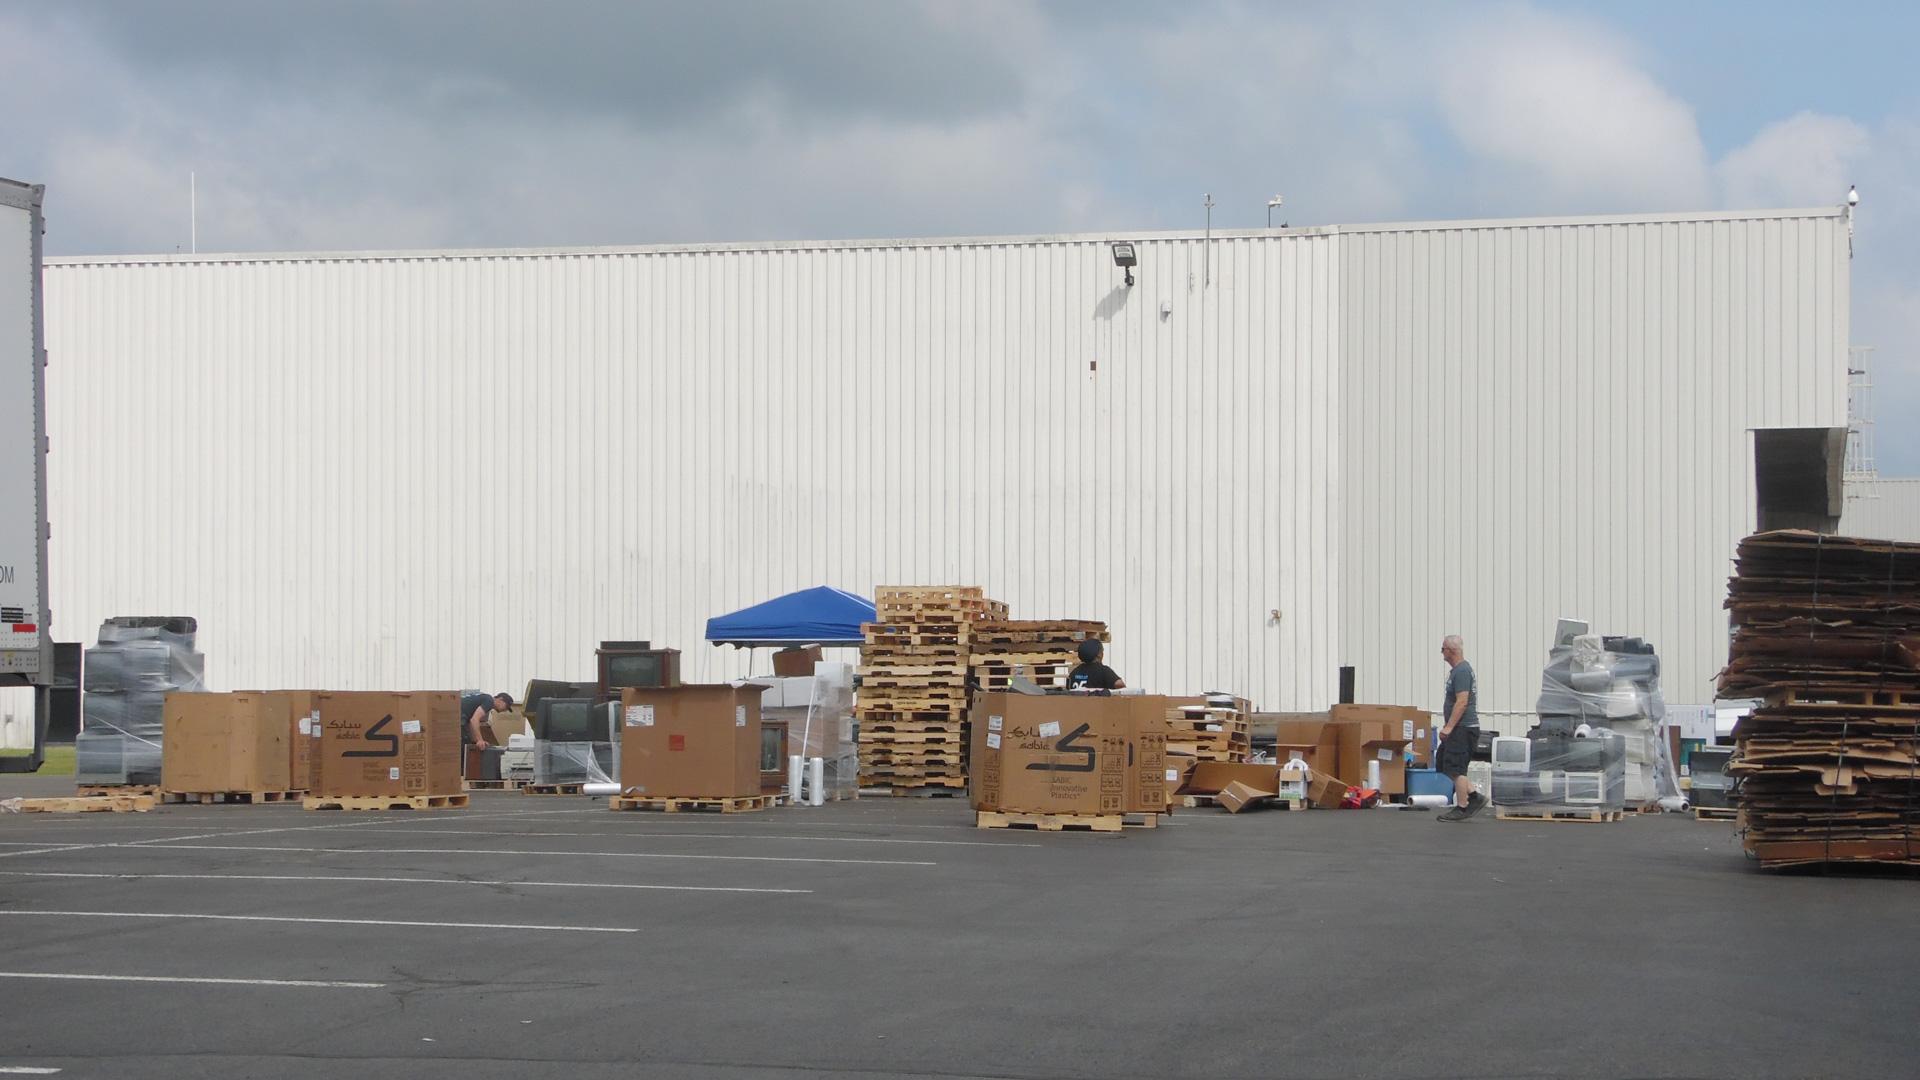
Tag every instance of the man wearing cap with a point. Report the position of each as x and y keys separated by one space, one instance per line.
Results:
x=1092 y=674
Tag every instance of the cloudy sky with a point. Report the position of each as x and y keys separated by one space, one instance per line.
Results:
x=401 y=123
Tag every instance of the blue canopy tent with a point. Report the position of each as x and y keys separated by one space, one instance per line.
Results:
x=821 y=616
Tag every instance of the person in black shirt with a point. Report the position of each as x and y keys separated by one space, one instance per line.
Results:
x=1092 y=674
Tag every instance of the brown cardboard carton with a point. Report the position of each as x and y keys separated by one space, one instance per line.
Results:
x=690 y=741
x=502 y=724
x=1071 y=754
x=1213 y=777
x=1314 y=741
x=1325 y=791
x=1238 y=796
x=795 y=663
x=225 y=742
x=378 y=744
x=1365 y=741
x=303 y=736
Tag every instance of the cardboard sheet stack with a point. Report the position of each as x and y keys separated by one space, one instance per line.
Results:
x=128 y=675
x=1215 y=728
x=1609 y=684
x=1828 y=634
x=1043 y=651
x=913 y=694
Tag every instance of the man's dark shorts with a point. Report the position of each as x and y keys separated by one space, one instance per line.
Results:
x=1456 y=750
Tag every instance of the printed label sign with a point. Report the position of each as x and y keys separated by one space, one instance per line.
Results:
x=1386 y=755
x=739 y=716
x=1173 y=775
x=393 y=773
x=409 y=727
x=1050 y=729
x=639 y=716
x=993 y=741
x=306 y=725
x=1407 y=729
x=994 y=723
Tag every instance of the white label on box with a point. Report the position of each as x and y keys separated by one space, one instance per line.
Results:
x=994 y=723
x=739 y=716
x=316 y=723
x=993 y=741
x=1407 y=728
x=1214 y=727
x=1050 y=729
x=1173 y=775
x=393 y=773
x=1386 y=755
x=639 y=716
x=306 y=725
x=409 y=727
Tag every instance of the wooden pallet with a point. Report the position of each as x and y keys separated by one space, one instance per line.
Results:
x=1840 y=694
x=1715 y=813
x=384 y=802
x=210 y=797
x=1507 y=813
x=117 y=789
x=922 y=791
x=1098 y=823
x=725 y=805
x=80 y=804
x=1191 y=802
x=495 y=785
x=551 y=789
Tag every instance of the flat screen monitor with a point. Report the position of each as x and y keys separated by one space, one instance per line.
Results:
x=568 y=720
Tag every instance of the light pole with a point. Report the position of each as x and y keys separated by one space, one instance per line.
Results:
x=1271 y=203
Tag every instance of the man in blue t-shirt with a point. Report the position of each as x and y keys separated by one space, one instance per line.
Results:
x=1459 y=729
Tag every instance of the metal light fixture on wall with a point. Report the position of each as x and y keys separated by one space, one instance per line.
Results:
x=1124 y=258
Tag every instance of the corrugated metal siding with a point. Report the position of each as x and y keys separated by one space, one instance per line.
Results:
x=451 y=470
x=1555 y=420
x=1884 y=508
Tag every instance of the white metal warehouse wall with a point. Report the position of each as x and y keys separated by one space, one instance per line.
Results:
x=451 y=469
x=1883 y=508
x=1552 y=418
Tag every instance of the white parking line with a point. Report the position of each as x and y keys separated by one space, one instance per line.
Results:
x=187 y=979
x=512 y=851
x=27 y=1070
x=341 y=922
x=703 y=836
x=395 y=880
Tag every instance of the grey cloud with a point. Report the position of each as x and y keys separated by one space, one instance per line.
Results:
x=652 y=64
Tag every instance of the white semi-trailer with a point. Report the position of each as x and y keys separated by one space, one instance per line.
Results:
x=26 y=647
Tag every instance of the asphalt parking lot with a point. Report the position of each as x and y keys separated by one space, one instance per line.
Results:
x=549 y=937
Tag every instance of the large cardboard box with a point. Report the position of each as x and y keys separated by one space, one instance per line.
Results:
x=1238 y=796
x=378 y=744
x=1314 y=741
x=1070 y=754
x=1369 y=733
x=690 y=741
x=796 y=663
x=225 y=742
x=303 y=736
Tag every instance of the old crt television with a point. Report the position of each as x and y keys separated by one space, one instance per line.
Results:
x=636 y=665
x=570 y=720
x=539 y=690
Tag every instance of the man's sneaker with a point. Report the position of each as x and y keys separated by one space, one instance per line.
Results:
x=1453 y=814
x=1476 y=802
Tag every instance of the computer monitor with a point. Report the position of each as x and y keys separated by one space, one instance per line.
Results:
x=569 y=720
x=645 y=669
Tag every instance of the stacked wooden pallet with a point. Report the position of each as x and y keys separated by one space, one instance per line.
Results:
x=912 y=704
x=1213 y=730
x=1043 y=651
x=1828 y=634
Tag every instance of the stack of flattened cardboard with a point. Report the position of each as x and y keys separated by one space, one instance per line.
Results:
x=1828 y=633
x=913 y=694
x=1214 y=728
x=1043 y=651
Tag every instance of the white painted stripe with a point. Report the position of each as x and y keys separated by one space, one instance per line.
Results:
x=512 y=851
x=196 y=981
x=339 y=922
x=27 y=1070
x=675 y=833
x=50 y=850
x=394 y=880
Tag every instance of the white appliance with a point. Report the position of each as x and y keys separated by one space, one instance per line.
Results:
x=1512 y=753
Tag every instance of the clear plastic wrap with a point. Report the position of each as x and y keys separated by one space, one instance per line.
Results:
x=127 y=678
x=1610 y=683
x=572 y=762
x=1544 y=773
x=818 y=712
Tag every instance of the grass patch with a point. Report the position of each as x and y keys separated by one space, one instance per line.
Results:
x=57 y=761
